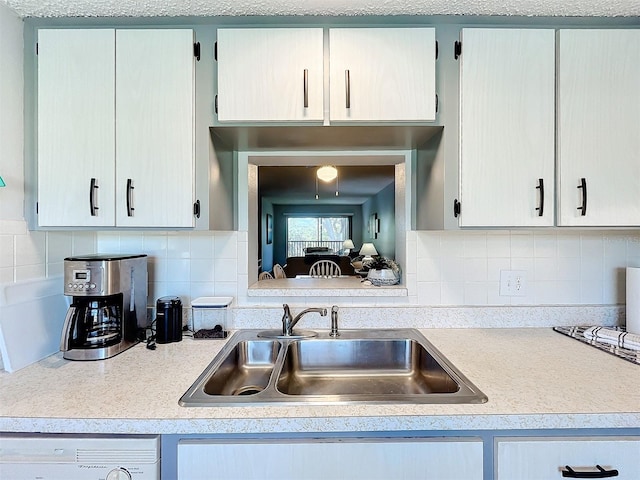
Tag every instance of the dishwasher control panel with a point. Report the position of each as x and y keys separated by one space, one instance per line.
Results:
x=87 y=457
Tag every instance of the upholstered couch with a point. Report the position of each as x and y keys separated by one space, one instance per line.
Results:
x=301 y=265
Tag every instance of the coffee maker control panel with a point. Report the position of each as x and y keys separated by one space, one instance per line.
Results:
x=87 y=281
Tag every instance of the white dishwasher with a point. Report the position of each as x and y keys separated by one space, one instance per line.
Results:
x=79 y=457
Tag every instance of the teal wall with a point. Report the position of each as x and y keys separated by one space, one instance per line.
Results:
x=383 y=205
x=266 y=250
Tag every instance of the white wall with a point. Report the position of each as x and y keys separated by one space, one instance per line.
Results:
x=11 y=117
x=24 y=255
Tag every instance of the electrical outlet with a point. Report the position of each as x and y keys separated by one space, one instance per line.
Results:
x=513 y=283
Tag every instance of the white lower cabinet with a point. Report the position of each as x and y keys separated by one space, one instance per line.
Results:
x=548 y=458
x=324 y=459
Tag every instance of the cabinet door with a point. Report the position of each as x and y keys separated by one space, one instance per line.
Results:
x=359 y=459
x=507 y=110
x=537 y=458
x=599 y=127
x=270 y=74
x=382 y=74
x=76 y=138
x=154 y=128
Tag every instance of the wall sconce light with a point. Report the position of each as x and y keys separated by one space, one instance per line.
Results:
x=2 y=184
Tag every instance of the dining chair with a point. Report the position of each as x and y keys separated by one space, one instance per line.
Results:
x=325 y=269
x=278 y=271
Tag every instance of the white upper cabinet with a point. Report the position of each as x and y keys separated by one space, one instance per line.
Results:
x=382 y=74
x=76 y=148
x=154 y=128
x=270 y=75
x=115 y=128
x=277 y=75
x=599 y=127
x=507 y=112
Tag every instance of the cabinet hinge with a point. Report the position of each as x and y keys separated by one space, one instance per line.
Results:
x=457 y=49
x=457 y=208
x=216 y=104
x=436 y=49
x=196 y=50
x=215 y=51
x=196 y=209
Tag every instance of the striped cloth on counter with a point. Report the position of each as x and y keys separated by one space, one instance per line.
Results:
x=613 y=337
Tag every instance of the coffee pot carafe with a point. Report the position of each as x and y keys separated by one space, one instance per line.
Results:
x=108 y=311
x=95 y=323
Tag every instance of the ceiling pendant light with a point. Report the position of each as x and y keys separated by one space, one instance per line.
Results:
x=326 y=173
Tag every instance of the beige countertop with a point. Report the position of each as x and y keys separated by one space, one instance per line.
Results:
x=535 y=378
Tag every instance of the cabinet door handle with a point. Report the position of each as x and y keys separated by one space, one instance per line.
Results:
x=306 y=88
x=457 y=208
x=92 y=197
x=347 y=85
x=540 y=187
x=130 y=188
x=583 y=207
x=601 y=473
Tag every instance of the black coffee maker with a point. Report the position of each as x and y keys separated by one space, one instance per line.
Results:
x=109 y=306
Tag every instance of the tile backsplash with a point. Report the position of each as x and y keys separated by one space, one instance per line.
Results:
x=561 y=268
x=186 y=264
x=442 y=269
x=28 y=255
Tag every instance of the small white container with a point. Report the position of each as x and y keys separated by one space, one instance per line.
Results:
x=207 y=312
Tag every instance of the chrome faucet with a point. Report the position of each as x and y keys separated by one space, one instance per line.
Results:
x=288 y=323
x=334 y=322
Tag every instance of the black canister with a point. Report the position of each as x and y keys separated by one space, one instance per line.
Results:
x=168 y=320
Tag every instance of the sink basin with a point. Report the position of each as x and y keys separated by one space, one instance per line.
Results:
x=360 y=366
x=245 y=370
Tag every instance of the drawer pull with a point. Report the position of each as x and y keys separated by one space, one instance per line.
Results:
x=601 y=473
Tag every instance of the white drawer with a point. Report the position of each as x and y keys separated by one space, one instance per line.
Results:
x=339 y=458
x=539 y=458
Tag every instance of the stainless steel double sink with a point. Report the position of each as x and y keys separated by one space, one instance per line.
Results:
x=359 y=366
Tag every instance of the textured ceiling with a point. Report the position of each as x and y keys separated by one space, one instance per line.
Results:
x=206 y=8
